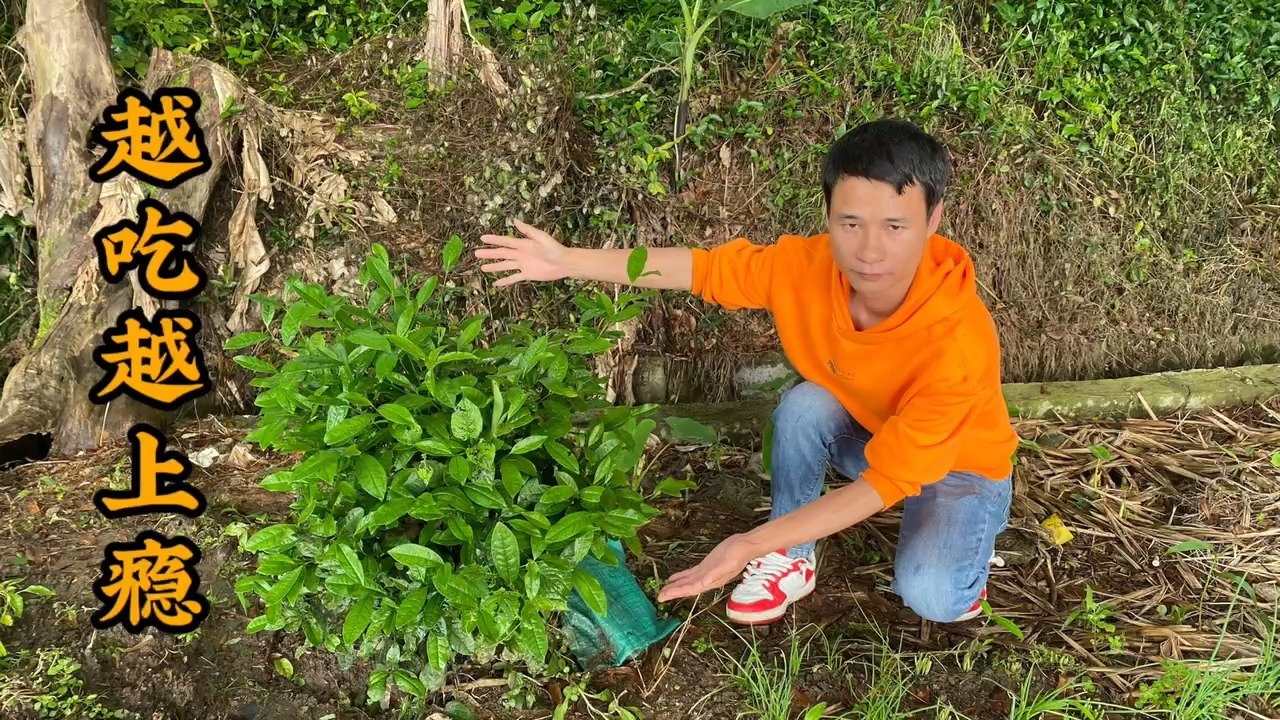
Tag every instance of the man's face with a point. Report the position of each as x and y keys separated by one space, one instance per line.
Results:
x=877 y=235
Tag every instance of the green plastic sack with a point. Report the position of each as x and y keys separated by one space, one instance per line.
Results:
x=629 y=626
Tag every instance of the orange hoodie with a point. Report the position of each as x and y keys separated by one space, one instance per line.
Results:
x=925 y=382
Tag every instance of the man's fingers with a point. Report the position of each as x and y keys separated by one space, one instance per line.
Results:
x=501 y=266
x=496 y=253
x=531 y=231
x=510 y=280
x=679 y=589
x=503 y=241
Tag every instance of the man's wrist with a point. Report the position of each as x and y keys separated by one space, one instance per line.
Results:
x=572 y=263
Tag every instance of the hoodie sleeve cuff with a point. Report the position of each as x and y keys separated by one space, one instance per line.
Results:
x=701 y=258
x=888 y=490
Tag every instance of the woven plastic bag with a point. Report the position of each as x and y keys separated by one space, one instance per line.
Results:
x=630 y=623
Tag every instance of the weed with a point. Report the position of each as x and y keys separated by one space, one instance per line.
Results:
x=47 y=683
x=1095 y=617
x=613 y=708
x=12 y=605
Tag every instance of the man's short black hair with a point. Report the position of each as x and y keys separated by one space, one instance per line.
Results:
x=891 y=151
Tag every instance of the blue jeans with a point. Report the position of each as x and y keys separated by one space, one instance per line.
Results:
x=948 y=531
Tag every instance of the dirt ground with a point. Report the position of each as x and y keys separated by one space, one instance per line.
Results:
x=1152 y=485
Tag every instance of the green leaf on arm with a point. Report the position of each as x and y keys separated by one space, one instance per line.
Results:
x=636 y=261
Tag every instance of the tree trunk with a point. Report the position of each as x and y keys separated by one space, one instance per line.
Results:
x=47 y=392
x=1162 y=394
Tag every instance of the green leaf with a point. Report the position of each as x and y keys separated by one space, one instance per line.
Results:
x=1003 y=622
x=407 y=345
x=410 y=608
x=592 y=593
x=528 y=444
x=1102 y=452
x=369 y=339
x=415 y=555
x=350 y=563
x=389 y=512
x=425 y=292
x=1275 y=459
x=561 y=455
x=249 y=362
x=466 y=421
x=38 y=591
x=505 y=553
x=283 y=667
x=377 y=687
x=270 y=538
x=410 y=684
x=758 y=9
x=470 y=330
x=1188 y=546
x=348 y=429
x=297 y=314
x=569 y=527
x=673 y=487
x=357 y=620
x=436 y=448
x=452 y=253
x=284 y=587
x=817 y=712
x=397 y=414
x=497 y=407
x=457 y=711
x=556 y=495
x=636 y=261
x=533 y=633
x=244 y=340
x=371 y=475
x=686 y=430
x=438 y=650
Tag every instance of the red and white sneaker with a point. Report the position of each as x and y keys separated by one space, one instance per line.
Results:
x=976 y=610
x=769 y=585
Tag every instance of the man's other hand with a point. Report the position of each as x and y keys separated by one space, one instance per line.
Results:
x=721 y=565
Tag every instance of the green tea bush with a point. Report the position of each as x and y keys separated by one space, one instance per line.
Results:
x=450 y=478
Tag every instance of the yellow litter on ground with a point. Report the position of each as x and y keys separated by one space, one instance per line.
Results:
x=1057 y=530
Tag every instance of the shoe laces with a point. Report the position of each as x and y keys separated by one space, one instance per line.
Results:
x=767 y=568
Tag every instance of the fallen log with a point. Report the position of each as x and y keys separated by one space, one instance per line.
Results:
x=1158 y=395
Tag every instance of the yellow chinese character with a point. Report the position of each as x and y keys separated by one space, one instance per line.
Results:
x=151 y=582
x=156 y=139
x=150 y=460
x=149 y=360
x=153 y=243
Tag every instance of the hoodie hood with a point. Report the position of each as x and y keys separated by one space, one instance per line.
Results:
x=943 y=285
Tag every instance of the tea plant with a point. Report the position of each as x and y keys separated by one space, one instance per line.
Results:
x=12 y=604
x=449 y=481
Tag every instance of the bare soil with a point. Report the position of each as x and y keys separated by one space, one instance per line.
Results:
x=1207 y=478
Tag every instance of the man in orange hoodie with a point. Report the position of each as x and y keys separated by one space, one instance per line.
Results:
x=901 y=368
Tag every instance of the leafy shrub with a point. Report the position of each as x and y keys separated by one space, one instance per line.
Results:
x=447 y=486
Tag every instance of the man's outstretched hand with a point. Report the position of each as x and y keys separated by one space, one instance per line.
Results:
x=721 y=565
x=536 y=257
